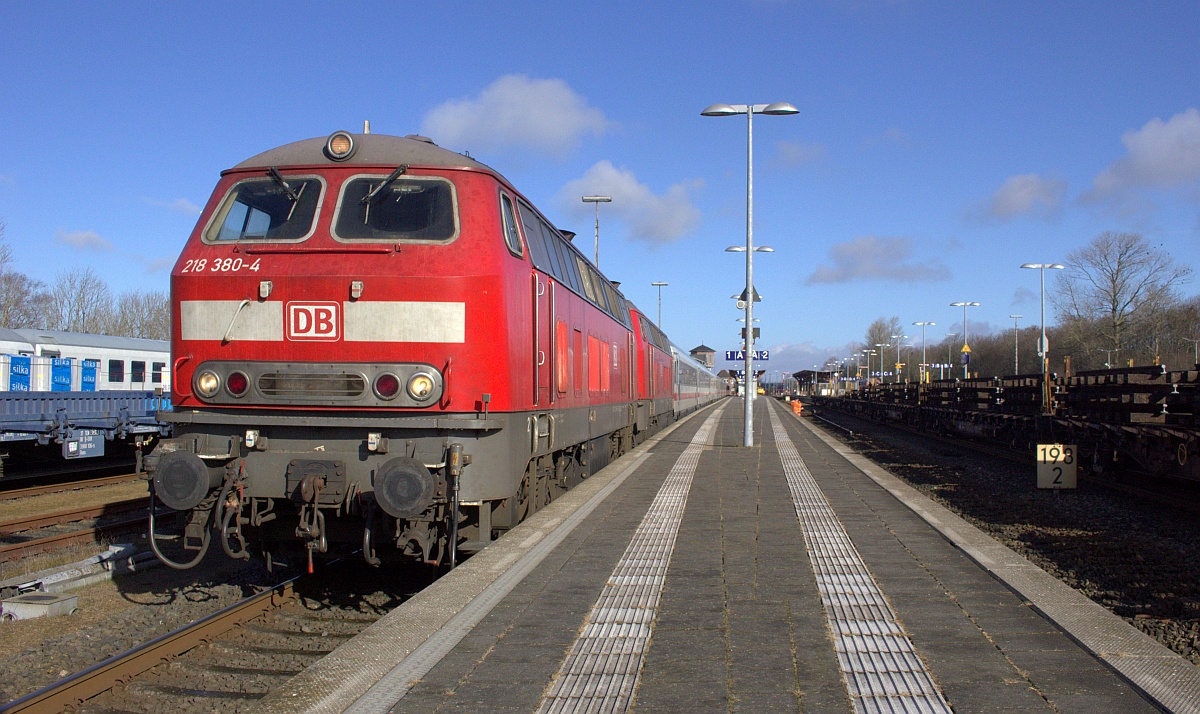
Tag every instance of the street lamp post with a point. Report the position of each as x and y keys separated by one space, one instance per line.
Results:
x=1016 y=344
x=921 y=371
x=966 y=345
x=598 y=200
x=660 y=285
x=880 y=346
x=724 y=110
x=1043 y=344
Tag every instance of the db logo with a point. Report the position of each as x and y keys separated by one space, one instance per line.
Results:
x=313 y=321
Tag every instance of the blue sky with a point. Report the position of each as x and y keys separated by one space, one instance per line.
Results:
x=938 y=145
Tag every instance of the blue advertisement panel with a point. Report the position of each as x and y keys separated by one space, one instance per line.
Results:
x=87 y=381
x=18 y=374
x=60 y=375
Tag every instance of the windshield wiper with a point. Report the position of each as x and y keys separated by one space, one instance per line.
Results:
x=370 y=197
x=283 y=184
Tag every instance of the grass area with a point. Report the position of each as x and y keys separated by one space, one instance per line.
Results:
x=78 y=498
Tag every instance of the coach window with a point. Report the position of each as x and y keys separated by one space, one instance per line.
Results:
x=156 y=371
x=509 y=219
x=137 y=371
x=116 y=370
x=266 y=209
x=408 y=208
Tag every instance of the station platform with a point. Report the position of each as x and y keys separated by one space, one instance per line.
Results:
x=695 y=574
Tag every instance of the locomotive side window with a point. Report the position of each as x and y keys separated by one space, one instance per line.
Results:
x=586 y=279
x=508 y=218
x=550 y=236
x=533 y=236
x=266 y=210
x=408 y=208
x=566 y=259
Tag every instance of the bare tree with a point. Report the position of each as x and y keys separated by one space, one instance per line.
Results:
x=23 y=300
x=1115 y=282
x=80 y=302
x=141 y=314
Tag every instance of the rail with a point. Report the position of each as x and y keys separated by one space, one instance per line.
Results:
x=78 y=688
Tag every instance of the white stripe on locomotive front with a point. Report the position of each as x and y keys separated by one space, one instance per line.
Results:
x=406 y=322
x=381 y=321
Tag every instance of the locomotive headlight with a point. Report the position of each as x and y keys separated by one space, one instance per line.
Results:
x=207 y=383
x=420 y=386
x=339 y=146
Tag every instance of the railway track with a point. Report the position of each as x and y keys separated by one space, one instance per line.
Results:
x=16 y=493
x=227 y=660
x=74 y=690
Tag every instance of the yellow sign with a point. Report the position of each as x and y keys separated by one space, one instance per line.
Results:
x=966 y=348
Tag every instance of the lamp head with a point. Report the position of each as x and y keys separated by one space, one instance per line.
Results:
x=780 y=108
x=719 y=110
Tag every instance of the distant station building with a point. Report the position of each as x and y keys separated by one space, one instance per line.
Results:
x=705 y=355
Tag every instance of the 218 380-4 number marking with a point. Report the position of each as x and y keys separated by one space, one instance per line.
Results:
x=220 y=265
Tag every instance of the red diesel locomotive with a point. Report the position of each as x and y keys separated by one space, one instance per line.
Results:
x=378 y=341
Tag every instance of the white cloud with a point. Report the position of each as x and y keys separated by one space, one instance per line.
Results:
x=650 y=217
x=83 y=240
x=516 y=111
x=1159 y=155
x=179 y=205
x=877 y=258
x=1027 y=195
x=794 y=153
x=892 y=135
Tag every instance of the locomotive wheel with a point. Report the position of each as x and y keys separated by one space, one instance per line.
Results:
x=522 y=495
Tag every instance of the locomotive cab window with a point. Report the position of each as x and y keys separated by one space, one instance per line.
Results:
x=266 y=209
x=508 y=218
x=407 y=208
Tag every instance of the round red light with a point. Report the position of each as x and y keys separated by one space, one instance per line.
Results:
x=237 y=383
x=387 y=386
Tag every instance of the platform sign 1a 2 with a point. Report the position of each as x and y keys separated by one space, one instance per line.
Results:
x=1056 y=465
x=740 y=355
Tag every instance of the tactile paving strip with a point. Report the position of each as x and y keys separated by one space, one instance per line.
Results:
x=600 y=672
x=879 y=665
